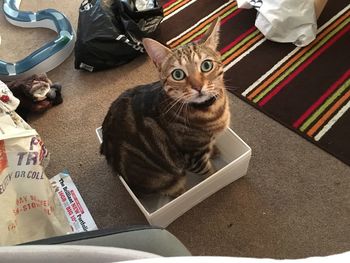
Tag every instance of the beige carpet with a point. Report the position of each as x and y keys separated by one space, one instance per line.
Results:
x=294 y=202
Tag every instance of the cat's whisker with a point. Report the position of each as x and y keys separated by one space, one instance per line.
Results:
x=185 y=115
x=189 y=97
x=212 y=91
x=183 y=97
x=231 y=88
x=187 y=123
x=166 y=101
x=180 y=109
x=177 y=100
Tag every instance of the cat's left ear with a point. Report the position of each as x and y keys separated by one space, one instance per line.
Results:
x=211 y=37
x=156 y=51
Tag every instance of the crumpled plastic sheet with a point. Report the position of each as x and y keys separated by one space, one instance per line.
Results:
x=292 y=21
x=144 y=4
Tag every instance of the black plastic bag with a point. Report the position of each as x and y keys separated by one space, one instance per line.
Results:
x=110 y=36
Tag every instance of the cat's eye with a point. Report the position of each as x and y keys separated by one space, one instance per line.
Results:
x=207 y=65
x=178 y=74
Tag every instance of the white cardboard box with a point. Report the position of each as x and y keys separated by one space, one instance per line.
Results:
x=233 y=164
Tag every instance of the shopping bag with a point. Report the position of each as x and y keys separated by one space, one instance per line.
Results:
x=110 y=35
x=29 y=208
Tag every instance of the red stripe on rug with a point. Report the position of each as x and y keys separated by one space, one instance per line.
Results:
x=321 y=99
x=303 y=66
x=222 y=22
x=231 y=15
x=168 y=3
x=173 y=9
x=238 y=39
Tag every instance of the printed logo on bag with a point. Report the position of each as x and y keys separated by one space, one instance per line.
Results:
x=256 y=3
x=86 y=67
x=33 y=158
x=86 y=5
x=136 y=46
x=26 y=203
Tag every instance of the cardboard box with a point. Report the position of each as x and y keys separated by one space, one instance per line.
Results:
x=233 y=164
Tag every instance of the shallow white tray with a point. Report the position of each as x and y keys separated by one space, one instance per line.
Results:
x=233 y=164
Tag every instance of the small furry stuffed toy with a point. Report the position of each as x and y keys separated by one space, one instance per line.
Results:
x=36 y=93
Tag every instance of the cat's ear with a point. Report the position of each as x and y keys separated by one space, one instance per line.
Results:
x=156 y=50
x=211 y=36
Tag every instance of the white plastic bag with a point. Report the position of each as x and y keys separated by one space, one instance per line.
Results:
x=29 y=208
x=284 y=21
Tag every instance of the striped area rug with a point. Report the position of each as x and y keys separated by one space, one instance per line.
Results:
x=307 y=89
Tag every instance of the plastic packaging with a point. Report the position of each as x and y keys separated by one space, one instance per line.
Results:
x=110 y=35
x=286 y=21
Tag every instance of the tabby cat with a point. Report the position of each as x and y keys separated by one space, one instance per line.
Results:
x=154 y=133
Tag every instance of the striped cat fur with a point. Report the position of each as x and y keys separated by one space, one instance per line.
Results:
x=154 y=133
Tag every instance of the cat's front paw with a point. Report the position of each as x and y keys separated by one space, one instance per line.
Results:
x=215 y=152
x=174 y=194
x=176 y=189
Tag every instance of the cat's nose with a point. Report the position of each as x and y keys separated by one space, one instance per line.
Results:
x=197 y=87
x=196 y=82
